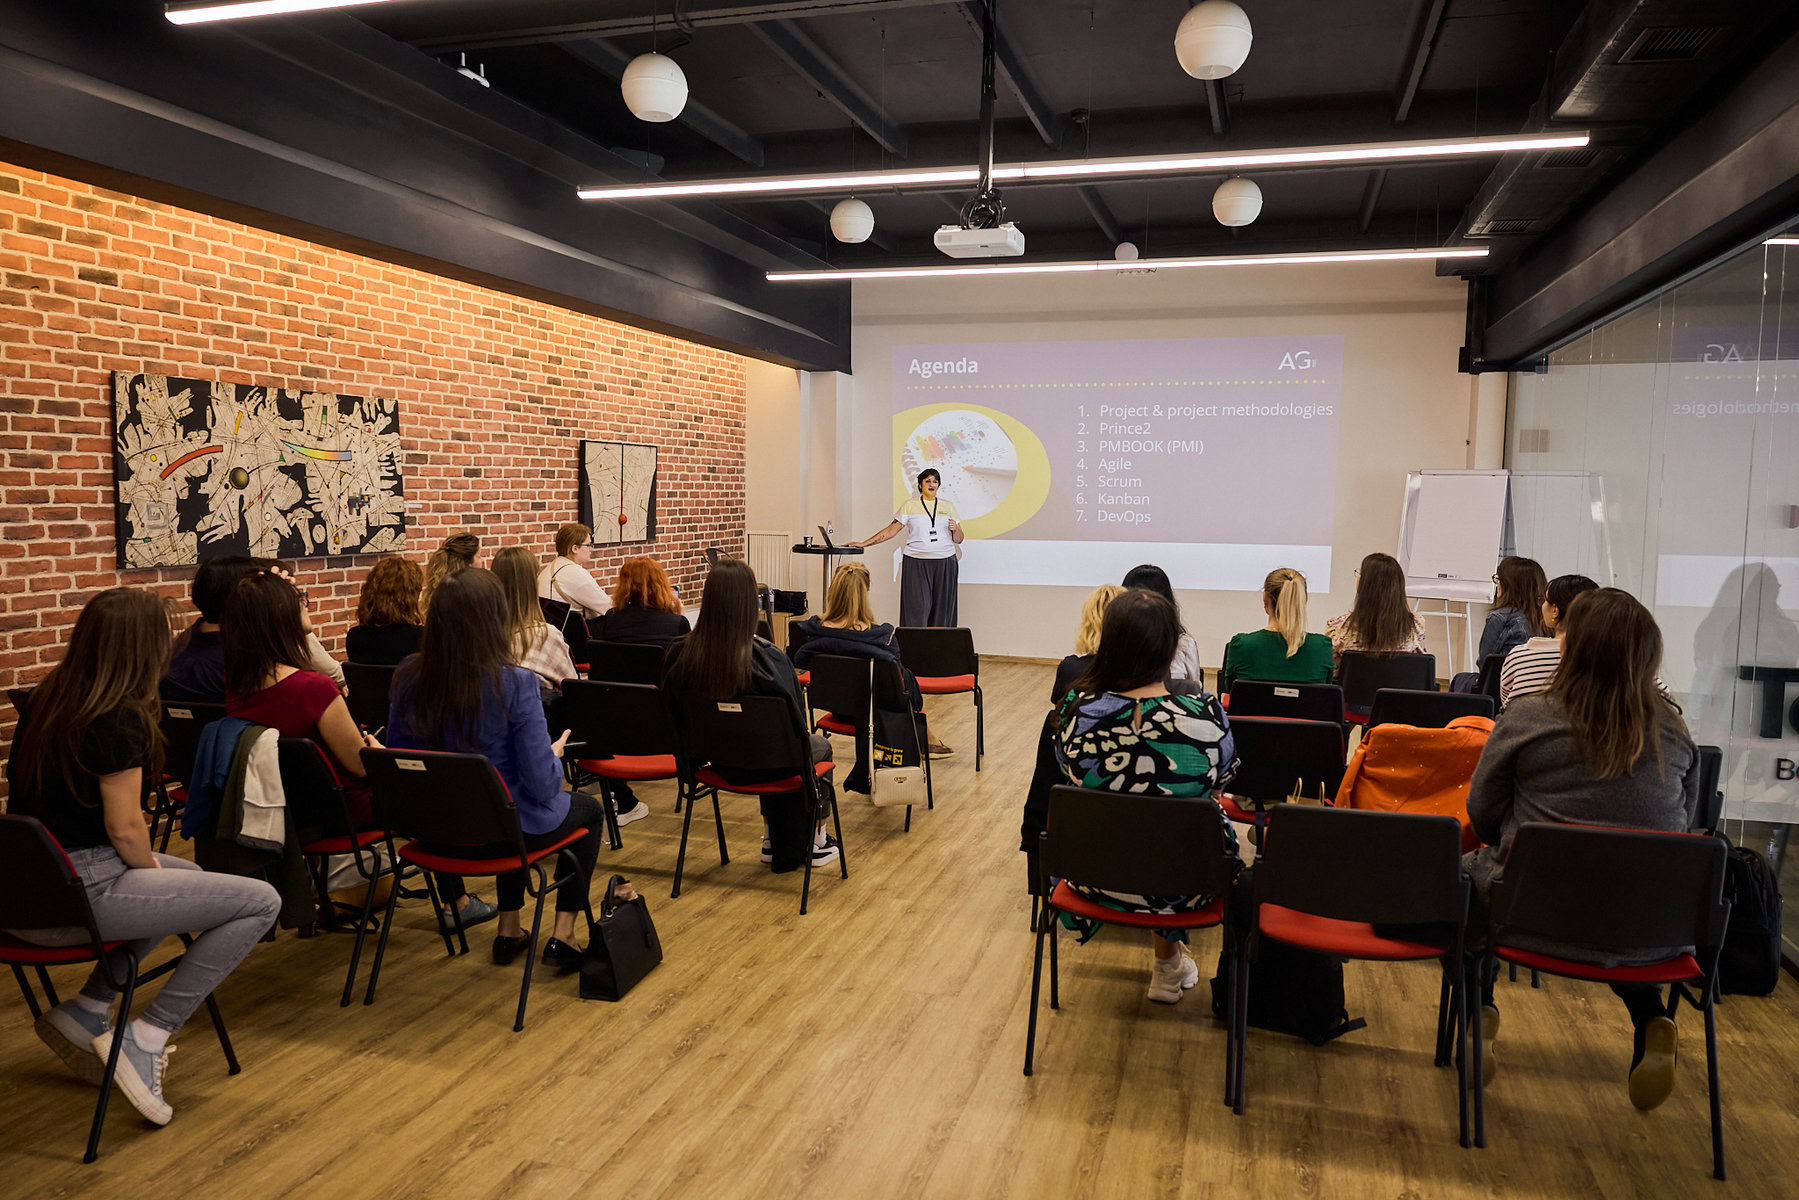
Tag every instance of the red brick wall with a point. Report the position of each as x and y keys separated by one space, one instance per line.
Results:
x=494 y=393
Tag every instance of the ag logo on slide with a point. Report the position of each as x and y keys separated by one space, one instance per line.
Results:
x=1296 y=360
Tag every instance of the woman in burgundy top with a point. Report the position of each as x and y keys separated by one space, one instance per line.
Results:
x=263 y=632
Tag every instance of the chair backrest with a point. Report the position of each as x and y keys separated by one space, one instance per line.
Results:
x=1274 y=755
x=935 y=653
x=746 y=733
x=1136 y=843
x=1363 y=673
x=444 y=799
x=1488 y=683
x=606 y=718
x=1429 y=710
x=370 y=685
x=1615 y=890
x=315 y=797
x=841 y=684
x=797 y=635
x=1296 y=701
x=1711 y=799
x=182 y=724
x=1354 y=865
x=38 y=885
x=624 y=662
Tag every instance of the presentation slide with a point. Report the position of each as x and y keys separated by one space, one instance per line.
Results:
x=1071 y=462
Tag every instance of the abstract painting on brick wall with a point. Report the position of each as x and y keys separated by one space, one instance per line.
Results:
x=207 y=468
x=618 y=491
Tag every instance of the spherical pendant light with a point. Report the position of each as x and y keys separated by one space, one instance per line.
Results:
x=1237 y=202
x=1125 y=252
x=1212 y=40
x=852 y=221
x=655 y=88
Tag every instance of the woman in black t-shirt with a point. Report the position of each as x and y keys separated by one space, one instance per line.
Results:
x=81 y=761
x=645 y=609
x=389 y=623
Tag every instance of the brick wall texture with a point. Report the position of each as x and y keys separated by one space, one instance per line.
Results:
x=494 y=394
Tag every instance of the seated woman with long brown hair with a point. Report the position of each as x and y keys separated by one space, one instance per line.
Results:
x=83 y=757
x=535 y=646
x=389 y=622
x=1381 y=619
x=645 y=610
x=462 y=692
x=1603 y=746
x=457 y=553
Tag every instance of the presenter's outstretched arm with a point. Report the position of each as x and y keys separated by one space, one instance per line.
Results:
x=893 y=527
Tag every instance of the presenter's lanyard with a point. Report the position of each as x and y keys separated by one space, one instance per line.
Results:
x=932 y=513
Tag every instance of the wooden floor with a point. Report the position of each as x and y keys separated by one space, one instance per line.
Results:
x=873 y=1048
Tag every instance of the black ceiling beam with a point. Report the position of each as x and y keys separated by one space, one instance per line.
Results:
x=1102 y=214
x=609 y=60
x=1371 y=197
x=1219 y=110
x=1049 y=124
x=1424 y=40
x=481 y=31
x=805 y=56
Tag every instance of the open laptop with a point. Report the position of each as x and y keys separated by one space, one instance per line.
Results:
x=826 y=538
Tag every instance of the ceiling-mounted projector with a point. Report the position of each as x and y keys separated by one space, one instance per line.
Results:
x=1002 y=241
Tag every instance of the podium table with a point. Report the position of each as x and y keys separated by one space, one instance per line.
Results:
x=825 y=554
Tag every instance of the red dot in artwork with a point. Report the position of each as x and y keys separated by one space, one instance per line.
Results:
x=622 y=519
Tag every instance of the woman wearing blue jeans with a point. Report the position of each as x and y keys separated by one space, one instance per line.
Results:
x=81 y=761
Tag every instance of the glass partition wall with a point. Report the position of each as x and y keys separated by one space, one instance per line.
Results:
x=1673 y=432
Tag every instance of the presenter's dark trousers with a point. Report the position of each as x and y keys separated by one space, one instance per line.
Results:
x=928 y=591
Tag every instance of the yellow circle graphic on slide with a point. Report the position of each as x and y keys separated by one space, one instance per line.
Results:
x=995 y=470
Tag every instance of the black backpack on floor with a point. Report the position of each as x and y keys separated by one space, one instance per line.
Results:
x=1750 y=963
x=1292 y=991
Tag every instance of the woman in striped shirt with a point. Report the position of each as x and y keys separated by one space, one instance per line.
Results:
x=1530 y=667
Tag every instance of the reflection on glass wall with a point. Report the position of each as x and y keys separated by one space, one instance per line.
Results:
x=1659 y=453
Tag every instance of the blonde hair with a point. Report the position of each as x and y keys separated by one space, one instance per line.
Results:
x=847 y=603
x=1093 y=616
x=1285 y=591
x=516 y=569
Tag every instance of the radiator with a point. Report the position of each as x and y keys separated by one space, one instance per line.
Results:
x=769 y=554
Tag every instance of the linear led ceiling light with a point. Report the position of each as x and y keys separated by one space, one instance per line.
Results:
x=1782 y=241
x=233 y=10
x=901 y=179
x=1136 y=264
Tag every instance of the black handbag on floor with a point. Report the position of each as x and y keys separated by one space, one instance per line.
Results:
x=1750 y=962
x=1292 y=990
x=624 y=947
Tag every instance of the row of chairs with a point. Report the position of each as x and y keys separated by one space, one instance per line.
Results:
x=1425 y=707
x=1337 y=882
x=942 y=660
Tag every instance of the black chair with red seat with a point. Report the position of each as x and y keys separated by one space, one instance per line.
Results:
x=748 y=738
x=1618 y=893
x=1362 y=673
x=945 y=664
x=1327 y=877
x=442 y=801
x=624 y=662
x=1276 y=757
x=620 y=733
x=40 y=890
x=182 y=724
x=319 y=811
x=1292 y=701
x=369 y=685
x=1427 y=709
x=797 y=636
x=844 y=688
x=1133 y=843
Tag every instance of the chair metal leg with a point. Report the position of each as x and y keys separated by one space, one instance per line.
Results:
x=1477 y=1072
x=524 y=988
x=218 y=1027
x=18 y=973
x=980 y=727
x=1230 y=1019
x=1240 y=1003
x=112 y=1059
x=609 y=813
x=1711 y=1081
x=362 y=932
x=681 y=854
x=843 y=858
x=1030 y=1037
x=1536 y=980
x=1443 y=1018
x=50 y=996
x=450 y=928
x=1055 y=973
x=806 y=878
x=718 y=821
x=387 y=924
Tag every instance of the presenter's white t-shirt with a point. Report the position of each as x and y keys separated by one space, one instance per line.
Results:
x=920 y=525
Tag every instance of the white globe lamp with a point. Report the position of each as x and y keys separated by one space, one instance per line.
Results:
x=1125 y=252
x=1212 y=40
x=655 y=88
x=852 y=220
x=1237 y=202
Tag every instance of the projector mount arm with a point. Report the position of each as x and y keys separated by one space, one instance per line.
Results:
x=984 y=209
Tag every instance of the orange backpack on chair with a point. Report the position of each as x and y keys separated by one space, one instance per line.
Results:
x=1405 y=768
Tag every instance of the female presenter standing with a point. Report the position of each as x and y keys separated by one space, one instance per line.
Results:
x=928 y=573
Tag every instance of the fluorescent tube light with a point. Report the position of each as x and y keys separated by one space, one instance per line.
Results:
x=233 y=10
x=899 y=179
x=1141 y=264
x=1782 y=241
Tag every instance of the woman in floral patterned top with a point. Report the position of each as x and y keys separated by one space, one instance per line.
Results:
x=1118 y=729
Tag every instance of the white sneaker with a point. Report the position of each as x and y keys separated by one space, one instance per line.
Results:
x=824 y=850
x=139 y=1075
x=636 y=812
x=768 y=851
x=1169 y=977
x=69 y=1030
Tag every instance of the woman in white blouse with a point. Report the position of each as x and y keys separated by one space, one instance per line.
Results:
x=567 y=578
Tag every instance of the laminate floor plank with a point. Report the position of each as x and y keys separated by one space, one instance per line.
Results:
x=873 y=1048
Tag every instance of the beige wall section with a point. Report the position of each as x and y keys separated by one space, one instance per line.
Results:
x=1405 y=406
x=773 y=438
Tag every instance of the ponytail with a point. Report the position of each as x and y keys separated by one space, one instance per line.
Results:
x=1285 y=590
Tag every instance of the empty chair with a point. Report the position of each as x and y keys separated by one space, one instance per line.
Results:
x=1427 y=709
x=624 y=662
x=1711 y=799
x=369 y=686
x=844 y=688
x=1614 y=893
x=618 y=733
x=1293 y=701
x=1277 y=758
x=1362 y=673
x=1327 y=877
x=945 y=664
